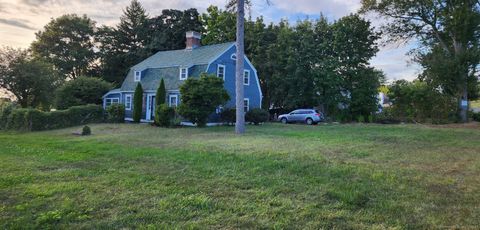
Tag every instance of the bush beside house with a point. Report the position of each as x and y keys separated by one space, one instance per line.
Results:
x=200 y=97
x=257 y=116
x=137 y=103
x=115 y=113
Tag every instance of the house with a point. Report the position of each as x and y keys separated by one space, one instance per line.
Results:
x=175 y=67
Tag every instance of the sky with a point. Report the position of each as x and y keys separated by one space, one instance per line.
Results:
x=20 y=19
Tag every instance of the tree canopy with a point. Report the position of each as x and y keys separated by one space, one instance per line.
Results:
x=448 y=31
x=30 y=80
x=67 y=42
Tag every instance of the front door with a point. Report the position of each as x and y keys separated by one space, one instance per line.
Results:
x=150 y=107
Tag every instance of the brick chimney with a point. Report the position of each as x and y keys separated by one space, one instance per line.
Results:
x=193 y=40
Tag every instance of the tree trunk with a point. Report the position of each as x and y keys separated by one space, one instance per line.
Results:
x=458 y=48
x=240 y=118
x=464 y=109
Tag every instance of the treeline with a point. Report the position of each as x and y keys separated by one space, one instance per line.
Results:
x=313 y=63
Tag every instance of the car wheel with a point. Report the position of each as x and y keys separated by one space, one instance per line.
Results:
x=284 y=120
x=309 y=121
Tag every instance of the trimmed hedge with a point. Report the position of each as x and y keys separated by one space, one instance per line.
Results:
x=36 y=120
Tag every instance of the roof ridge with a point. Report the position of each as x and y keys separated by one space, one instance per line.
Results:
x=200 y=47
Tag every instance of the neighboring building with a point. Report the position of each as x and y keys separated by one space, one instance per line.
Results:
x=178 y=65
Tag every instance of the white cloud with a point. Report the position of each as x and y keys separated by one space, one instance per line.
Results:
x=20 y=19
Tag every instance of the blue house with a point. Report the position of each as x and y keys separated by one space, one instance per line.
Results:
x=175 y=67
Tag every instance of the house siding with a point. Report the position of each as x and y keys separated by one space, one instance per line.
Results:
x=251 y=91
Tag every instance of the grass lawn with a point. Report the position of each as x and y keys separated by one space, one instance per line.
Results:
x=276 y=176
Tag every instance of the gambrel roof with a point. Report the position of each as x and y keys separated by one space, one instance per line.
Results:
x=184 y=58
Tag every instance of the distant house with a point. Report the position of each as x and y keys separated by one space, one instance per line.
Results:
x=175 y=67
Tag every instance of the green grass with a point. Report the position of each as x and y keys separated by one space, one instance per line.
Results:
x=275 y=176
x=475 y=104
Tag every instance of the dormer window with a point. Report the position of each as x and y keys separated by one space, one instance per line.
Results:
x=183 y=73
x=233 y=57
x=138 y=76
x=221 y=71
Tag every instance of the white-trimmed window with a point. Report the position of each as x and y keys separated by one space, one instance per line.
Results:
x=128 y=102
x=221 y=71
x=233 y=57
x=183 y=73
x=173 y=100
x=138 y=76
x=246 y=77
x=246 y=104
x=111 y=101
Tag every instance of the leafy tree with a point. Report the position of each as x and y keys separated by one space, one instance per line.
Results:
x=81 y=91
x=220 y=24
x=138 y=103
x=447 y=29
x=168 y=29
x=359 y=82
x=161 y=94
x=30 y=80
x=200 y=97
x=68 y=43
x=417 y=101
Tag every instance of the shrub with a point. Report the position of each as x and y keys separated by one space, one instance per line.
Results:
x=417 y=101
x=115 y=113
x=161 y=94
x=81 y=91
x=476 y=116
x=200 y=97
x=361 y=119
x=164 y=115
x=228 y=115
x=34 y=120
x=386 y=117
x=370 y=118
x=257 y=116
x=5 y=111
x=86 y=131
x=138 y=103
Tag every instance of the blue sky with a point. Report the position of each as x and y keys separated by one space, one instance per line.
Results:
x=20 y=19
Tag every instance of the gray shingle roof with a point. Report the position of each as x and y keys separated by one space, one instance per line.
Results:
x=165 y=64
x=152 y=76
x=199 y=56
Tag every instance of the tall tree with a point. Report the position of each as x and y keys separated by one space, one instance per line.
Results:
x=451 y=25
x=68 y=43
x=124 y=46
x=30 y=80
x=168 y=29
x=220 y=26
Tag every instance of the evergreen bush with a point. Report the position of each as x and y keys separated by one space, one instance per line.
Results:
x=257 y=116
x=138 y=103
x=164 y=115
